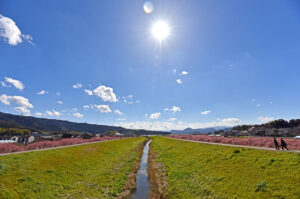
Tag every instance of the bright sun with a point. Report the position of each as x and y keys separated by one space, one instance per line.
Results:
x=160 y=30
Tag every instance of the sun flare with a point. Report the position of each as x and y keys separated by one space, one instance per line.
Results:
x=160 y=30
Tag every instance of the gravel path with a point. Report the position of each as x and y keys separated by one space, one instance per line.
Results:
x=242 y=146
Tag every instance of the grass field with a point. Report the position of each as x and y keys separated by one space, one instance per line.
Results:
x=98 y=170
x=194 y=170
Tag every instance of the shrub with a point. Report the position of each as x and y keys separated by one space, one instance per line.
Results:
x=249 y=141
x=8 y=148
x=260 y=186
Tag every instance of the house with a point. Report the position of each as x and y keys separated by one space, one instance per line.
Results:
x=25 y=139
x=245 y=133
x=69 y=135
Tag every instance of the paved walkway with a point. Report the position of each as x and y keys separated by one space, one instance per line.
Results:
x=59 y=147
x=242 y=146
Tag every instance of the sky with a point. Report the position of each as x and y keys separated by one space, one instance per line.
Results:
x=222 y=63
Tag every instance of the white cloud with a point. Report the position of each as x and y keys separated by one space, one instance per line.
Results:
x=5 y=85
x=38 y=114
x=77 y=115
x=105 y=93
x=103 y=108
x=121 y=119
x=89 y=92
x=77 y=85
x=172 y=119
x=154 y=116
x=265 y=119
x=74 y=109
x=42 y=92
x=230 y=121
x=86 y=106
x=23 y=110
x=5 y=99
x=16 y=83
x=205 y=112
x=174 y=109
x=118 y=112
x=179 y=81
x=129 y=99
x=60 y=102
x=184 y=73
x=22 y=101
x=11 y=33
x=53 y=113
x=167 y=126
x=174 y=71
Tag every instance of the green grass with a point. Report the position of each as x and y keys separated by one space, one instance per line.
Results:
x=89 y=171
x=197 y=170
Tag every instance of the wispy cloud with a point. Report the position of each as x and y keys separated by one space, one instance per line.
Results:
x=174 y=109
x=103 y=108
x=25 y=111
x=172 y=119
x=155 y=116
x=60 y=102
x=16 y=83
x=42 y=92
x=265 y=119
x=77 y=85
x=118 y=112
x=89 y=92
x=78 y=115
x=38 y=114
x=179 y=81
x=205 y=112
x=129 y=99
x=53 y=113
x=121 y=119
x=4 y=85
x=184 y=72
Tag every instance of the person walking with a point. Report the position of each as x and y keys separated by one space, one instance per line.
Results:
x=276 y=144
x=283 y=144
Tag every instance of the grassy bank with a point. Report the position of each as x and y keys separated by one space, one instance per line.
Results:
x=98 y=170
x=195 y=170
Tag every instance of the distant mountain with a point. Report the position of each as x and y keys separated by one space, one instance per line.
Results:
x=52 y=125
x=201 y=130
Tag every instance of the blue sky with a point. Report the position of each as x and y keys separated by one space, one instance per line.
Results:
x=223 y=63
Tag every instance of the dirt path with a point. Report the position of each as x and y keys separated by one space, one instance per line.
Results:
x=240 y=146
x=59 y=147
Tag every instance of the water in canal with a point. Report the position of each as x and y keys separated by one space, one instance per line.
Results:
x=142 y=179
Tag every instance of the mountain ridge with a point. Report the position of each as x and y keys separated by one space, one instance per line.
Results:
x=201 y=130
x=53 y=125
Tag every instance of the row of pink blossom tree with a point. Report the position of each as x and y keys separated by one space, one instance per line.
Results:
x=8 y=148
x=249 y=141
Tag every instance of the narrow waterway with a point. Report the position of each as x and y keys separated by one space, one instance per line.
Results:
x=142 y=179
